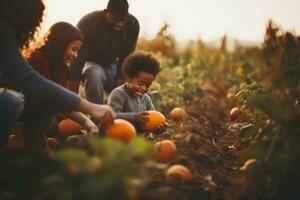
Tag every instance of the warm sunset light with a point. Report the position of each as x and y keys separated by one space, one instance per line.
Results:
x=181 y=99
x=190 y=19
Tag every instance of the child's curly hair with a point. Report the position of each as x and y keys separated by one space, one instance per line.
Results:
x=140 y=61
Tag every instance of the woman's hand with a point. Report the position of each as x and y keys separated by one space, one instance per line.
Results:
x=103 y=113
x=90 y=126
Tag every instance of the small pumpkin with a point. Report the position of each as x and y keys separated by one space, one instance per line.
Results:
x=177 y=113
x=165 y=150
x=68 y=127
x=231 y=96
x=178 y=172
x=121 y=130
x=235 y=112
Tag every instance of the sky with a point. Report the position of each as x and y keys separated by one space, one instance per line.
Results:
x=192 y=19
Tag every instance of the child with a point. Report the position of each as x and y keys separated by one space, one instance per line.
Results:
x=130 y=100
x=61 y=44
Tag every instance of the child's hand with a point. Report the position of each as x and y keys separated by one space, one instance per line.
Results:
x=161 y=129
x=90 y=126
x=141 y=117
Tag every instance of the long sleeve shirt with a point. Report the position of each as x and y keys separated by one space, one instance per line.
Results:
x=39 y=61
x=126 y=106
x=23 y=78
x=102 y=44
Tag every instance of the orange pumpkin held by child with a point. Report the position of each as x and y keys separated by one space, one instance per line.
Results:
x=177 y=113
x=178 y=172
x=155 y=120
x=165 y=150
x=121 y=130
x=68 y=127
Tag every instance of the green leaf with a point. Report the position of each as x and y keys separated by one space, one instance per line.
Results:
x=139 y=147
x=274 y=108
x=107 y=148
x=200 y=92
x=69 y=155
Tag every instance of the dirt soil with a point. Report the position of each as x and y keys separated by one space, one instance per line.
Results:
x=207 y=146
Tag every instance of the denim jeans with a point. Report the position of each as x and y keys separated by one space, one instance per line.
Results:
x=96 y=79
x=11 y=106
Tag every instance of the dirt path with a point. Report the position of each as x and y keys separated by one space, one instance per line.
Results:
x=209 y=148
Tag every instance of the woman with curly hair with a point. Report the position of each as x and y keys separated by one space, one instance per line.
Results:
x=19 y=20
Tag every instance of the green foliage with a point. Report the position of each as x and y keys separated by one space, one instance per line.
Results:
x=107 y=169
x=265 y=81
x=275 y=109
x=184 y=87
x=268 y=90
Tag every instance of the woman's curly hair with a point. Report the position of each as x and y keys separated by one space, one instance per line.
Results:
x=24 y=17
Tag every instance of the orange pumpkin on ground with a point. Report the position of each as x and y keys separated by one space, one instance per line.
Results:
x=176 y=172
x=235 y=112
x=155 y=120
x=68 y=127
x=52 y=142
x=165 y=150
x=177 y=113
x=121 y=130
x=14 y=144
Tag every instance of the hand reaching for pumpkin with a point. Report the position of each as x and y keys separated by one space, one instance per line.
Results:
x=103 y=113
x=90 y=126
x=141 y=117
